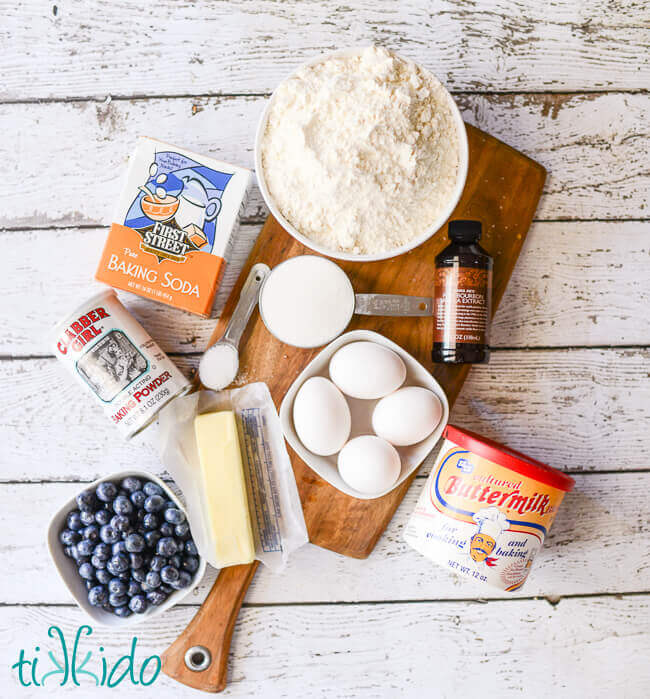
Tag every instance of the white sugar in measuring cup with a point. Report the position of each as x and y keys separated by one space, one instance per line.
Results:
x=220 y=363
x=307 y=301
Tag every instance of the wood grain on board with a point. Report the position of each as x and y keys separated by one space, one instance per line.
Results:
x=502 y=190
x=127 y=49
x=70 y=169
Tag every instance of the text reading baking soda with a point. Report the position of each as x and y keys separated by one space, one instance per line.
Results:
x=103 y=345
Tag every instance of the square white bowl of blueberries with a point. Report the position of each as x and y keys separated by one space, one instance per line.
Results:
x=124 y=548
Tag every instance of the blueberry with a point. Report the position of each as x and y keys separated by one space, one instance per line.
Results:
x=98 y=563
x=166 y=589
x=118 y=563
x=85 y=547
x=122 y=505
x=182 y=531
x=153 y=579
x=116 y=600
x=133 y=589
x=138 y=604
x=122 y=611
x=152 y=488
x=108 y=534
x=169 y=574
x=117 y=587
x=154 y=503
x=167 y=547
x=87 y=517
x=87 y=571
x=174 y=516
x=69 y=551
x=86 y=501
x=103 y=576
x=138 y=498
x=68 y=538
x=106 y=491
x=118 y=547
x=157 y=563
x=166 y=529
x=135 y=561
x=184 y=580
x=150 y=521
x=190 y=548
x=97 y=596
x=139 y=574
x=152 y=538
x=156 y=597
x=191 y=564
x=89 y=584
x=176 y=560
x=131 y=484
x=103 y=517
x=74 y=521
x=134 y=543
x=121 y=524
x=102 y=551
x=91 y=532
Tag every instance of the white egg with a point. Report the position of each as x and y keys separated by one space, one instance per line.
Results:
x=367 y=370
x=369 y=464
x=407 y=416
x=321 y=416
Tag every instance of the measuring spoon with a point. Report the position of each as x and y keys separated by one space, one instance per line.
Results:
x=220 y=363
x=307 y=301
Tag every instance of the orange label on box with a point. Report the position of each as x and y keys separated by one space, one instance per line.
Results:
x=162 y=264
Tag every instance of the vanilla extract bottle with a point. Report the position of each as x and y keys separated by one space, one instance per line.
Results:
x=462 y=298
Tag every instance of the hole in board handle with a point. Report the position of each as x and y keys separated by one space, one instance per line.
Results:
x=198 y=658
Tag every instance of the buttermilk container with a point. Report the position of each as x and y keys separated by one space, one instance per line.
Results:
x=105 y=348
x=485 y=510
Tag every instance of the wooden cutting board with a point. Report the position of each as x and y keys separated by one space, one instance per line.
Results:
x=502 y=190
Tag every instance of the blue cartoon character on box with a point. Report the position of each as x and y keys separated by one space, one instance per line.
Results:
x=176 y=209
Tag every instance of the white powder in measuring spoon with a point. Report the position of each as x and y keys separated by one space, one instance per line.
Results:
x=361 y=151
x=219 y=366
x=307 y=301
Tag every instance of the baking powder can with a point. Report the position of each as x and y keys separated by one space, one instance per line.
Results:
x=116 y=359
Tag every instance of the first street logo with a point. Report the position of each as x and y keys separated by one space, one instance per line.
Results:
x=166 y=241
x=70 y=665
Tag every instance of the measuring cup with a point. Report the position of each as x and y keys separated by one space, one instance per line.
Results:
x=307 y=301
x=220 y=363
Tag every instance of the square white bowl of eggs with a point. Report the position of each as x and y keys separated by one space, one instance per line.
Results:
x=364 y=414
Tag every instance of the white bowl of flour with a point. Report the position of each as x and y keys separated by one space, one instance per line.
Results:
x=361 y=154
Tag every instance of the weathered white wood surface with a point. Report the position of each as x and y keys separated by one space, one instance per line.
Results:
x=575 y=284
x=580 y=410
x=133 y=49
x=598 y=544
x=197 y=74
x=582 y=647
x=68 y=159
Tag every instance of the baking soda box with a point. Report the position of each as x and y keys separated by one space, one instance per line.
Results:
x=174 y=225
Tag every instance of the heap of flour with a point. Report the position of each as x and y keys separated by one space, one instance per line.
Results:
x=360 y=152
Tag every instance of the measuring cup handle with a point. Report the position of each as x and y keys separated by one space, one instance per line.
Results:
x=210 y=633
x=247 y=301
x=392 y=305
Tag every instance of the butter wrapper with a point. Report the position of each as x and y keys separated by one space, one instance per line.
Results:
x=173 y=227
x=274 y=505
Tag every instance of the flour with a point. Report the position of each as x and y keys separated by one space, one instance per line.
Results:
x=360 y=152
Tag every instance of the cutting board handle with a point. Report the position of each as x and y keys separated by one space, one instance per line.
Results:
x=198 y=658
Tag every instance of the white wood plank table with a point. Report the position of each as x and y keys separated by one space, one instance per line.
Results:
x=569 y=382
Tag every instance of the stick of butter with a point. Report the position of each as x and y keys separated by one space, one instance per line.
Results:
x=224 y=488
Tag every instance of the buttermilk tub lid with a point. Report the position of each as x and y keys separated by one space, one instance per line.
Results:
x=509 y=458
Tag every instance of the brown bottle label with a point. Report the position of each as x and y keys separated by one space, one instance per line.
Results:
x=462 y=305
